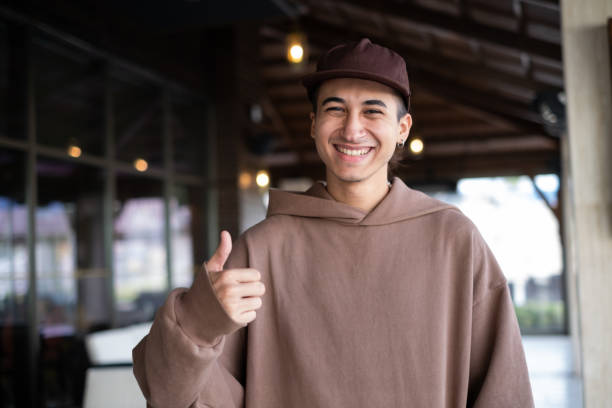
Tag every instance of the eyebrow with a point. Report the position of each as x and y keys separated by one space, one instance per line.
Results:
x=377 y=102
x=332 y=99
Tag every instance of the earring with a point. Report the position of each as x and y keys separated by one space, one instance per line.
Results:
x=401 y=144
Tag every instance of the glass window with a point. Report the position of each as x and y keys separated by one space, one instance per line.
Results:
x=75 y=294
x=69 y=98
x=13 y=277
x=138 y=119
x=71 y=275
x=139 y=248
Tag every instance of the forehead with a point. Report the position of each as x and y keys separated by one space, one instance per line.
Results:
x=348 y=88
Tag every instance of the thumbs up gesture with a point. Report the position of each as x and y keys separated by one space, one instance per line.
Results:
x=238 y=290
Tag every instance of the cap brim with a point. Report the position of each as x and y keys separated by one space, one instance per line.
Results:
x=311 y=80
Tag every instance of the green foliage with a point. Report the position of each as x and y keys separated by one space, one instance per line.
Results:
x=541 y=317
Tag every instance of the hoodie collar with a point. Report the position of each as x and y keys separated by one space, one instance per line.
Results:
x=401 y=203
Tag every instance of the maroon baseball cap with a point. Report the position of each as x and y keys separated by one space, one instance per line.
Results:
x=363 y=60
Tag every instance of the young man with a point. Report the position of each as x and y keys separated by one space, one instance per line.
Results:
x=357 y=293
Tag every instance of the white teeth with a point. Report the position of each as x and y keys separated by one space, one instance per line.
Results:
x=353 y=152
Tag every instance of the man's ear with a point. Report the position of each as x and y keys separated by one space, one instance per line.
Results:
x=312 y=124
x=405 y=123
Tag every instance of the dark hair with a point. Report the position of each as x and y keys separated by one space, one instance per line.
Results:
x=399 y=153
x=402 y=110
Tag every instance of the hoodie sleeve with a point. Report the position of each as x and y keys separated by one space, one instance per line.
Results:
x=194 y=354
x=498 y=371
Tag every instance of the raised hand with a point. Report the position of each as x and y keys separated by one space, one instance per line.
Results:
x=239 y=290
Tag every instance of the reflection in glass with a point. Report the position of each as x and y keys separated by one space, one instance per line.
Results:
x=71 y=275
x=139 y=249
x=69 y=98
x=13 y=278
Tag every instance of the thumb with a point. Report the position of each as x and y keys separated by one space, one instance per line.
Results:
x=216 y=262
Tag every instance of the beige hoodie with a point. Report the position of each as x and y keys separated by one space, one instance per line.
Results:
x=404 y=306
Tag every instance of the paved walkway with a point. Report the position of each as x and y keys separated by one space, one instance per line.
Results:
x=550 y=363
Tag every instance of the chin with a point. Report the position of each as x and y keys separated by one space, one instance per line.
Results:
x=358 y=175
x=350 y=178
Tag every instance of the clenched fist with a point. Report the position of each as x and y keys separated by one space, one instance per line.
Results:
x=238 y=290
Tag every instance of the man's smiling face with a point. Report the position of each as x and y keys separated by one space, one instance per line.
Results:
x=356 y=129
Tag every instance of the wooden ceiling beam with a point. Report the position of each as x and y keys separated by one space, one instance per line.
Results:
x=433 y=115
x=443 y=131
x=441 y=22
x=550 y=4
x=491 y=145
x=518 y=114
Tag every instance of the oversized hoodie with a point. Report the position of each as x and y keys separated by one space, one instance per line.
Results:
x=404 y=306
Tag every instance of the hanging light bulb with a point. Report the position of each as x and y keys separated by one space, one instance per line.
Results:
x=416 y=146
x=296 y=53
x=262 y=179
x=296 y=47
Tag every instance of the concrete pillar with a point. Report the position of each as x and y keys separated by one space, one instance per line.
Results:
x=589 y=106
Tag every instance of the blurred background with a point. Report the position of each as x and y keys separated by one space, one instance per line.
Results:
x=132 y=132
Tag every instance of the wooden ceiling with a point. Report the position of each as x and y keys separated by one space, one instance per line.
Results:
x=476 y=68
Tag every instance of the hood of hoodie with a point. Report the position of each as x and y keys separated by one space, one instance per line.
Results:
x=401 y=203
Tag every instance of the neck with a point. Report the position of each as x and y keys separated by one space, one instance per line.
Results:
x=364 y=195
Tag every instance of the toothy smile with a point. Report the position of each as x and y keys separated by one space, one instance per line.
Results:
x=353 y=151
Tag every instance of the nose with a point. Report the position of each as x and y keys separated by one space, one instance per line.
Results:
x=353 y=127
